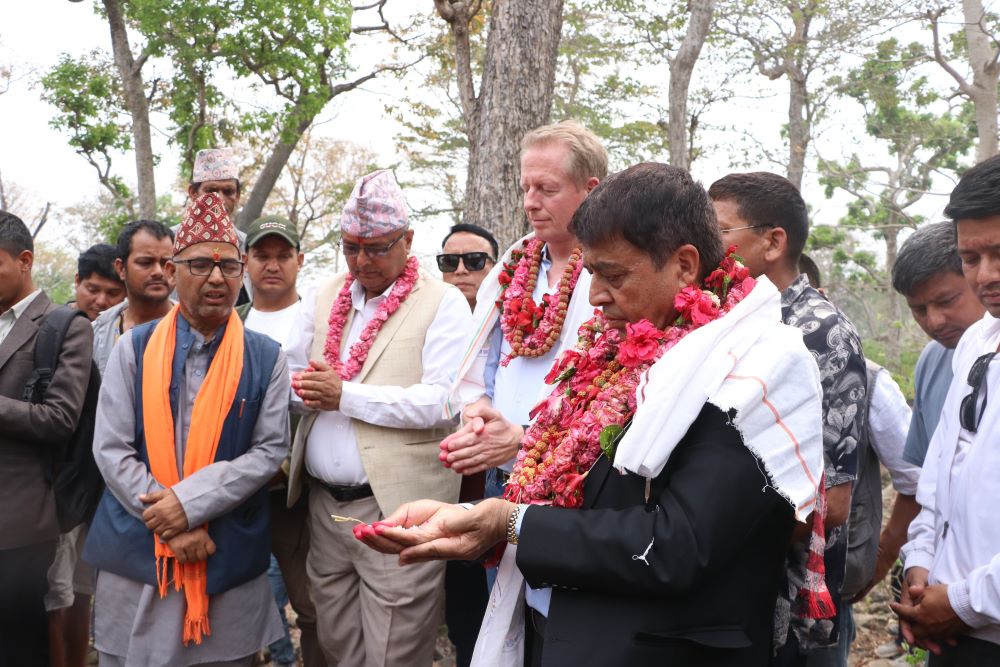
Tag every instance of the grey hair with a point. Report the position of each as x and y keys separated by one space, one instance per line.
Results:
x=929 y=251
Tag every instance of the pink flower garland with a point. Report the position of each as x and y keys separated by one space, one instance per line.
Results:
x=338 y=318
x=595 y=392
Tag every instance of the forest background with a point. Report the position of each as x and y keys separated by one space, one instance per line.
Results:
x=873 y=109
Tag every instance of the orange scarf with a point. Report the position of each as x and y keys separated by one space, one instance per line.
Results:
x=211 y=405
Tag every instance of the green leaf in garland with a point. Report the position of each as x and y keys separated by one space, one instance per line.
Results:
x=609 y=440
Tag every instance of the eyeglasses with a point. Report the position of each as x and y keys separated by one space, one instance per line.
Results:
x=970 y=414
x=354 y=249
x=736 y=229
x=474 y=261
x=203 y=266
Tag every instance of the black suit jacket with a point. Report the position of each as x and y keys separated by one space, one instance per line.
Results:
x=704 y=594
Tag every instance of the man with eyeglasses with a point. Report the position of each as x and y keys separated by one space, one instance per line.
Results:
x=467 y=255
x=951 y=598
x=192 y=424
x=372 y=356
x=765 y=217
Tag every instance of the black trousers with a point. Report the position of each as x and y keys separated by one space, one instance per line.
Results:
x=465 y=599
x=969 y=652
x=534 y=637
x=24 y=625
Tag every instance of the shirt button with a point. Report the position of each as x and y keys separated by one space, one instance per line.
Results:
x=185 y=346
x=198 y=373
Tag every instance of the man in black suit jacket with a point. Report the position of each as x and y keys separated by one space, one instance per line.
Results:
x=680 y=567
x=28 y=527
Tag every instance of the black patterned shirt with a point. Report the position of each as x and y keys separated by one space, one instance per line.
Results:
x=835 y=345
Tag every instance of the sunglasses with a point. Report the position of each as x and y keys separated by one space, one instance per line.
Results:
x=354 y=249
x=970 y=414
x=474 y=261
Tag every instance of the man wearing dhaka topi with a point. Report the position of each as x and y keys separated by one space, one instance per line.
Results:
x=661 y=534
x=191 y=425
x=373 y=355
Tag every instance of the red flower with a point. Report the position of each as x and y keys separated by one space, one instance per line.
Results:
x=504 y=278
x=695 y=306
x=569 y=490
x=642 y=342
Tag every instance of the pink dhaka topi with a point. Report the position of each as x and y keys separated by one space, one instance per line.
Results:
x=214 y=164
x=375 y=208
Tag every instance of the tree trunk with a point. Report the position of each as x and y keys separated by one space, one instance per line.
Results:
x=681 y=67
x=798 y=129
x=515 y=96
x=135 y=99
x=985 y=70
x=254 y=204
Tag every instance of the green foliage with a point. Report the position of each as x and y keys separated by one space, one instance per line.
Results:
x=87 y=94
x=295 y=49
x=53 y=271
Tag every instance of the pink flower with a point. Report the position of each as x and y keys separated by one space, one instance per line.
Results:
x=696 y=306
x=642 y=343
x=569 y=490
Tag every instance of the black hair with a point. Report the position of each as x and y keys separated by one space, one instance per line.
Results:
x=767 y=200
x=14 y=235
x=977 y=194
x=655 y=207
x=808 y=266
x=124 y=244
x=478 y=231
x=100 y=259
x=929 y=251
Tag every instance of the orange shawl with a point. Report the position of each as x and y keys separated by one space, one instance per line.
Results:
x=211 y=405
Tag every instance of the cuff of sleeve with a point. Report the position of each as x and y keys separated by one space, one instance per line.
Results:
x=520 y=519
x=961 y=604
x=188 y=494
x=917 y=558
x=837 y=479
x=353 y=400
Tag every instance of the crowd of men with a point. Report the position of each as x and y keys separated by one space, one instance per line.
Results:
x=262 y=444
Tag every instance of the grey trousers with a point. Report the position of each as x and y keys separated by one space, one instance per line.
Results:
x=370 y=611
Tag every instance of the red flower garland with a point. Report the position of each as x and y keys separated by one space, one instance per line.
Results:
x=338 y=317
x=595 y=392
x=530 y=328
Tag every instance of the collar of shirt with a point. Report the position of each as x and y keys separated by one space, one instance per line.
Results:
x=358 y=296
x=793 y=292
x=18 y=308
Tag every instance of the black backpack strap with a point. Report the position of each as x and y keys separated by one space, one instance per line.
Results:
x=48 y=344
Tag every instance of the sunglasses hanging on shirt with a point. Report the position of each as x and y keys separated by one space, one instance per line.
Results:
x=970 y=414
x=474 y=261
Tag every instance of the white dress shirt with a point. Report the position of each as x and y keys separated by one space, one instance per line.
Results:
x=332 y=454
x=9 y=316
x=956 y=535
x=889 y=422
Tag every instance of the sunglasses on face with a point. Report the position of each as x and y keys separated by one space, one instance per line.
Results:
x=354 y=249
x=474 y=261
x=203 y=266
x=970 y=414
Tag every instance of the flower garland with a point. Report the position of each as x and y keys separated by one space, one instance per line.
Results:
x=530 y=328
x=338 y=317
x=595 y=390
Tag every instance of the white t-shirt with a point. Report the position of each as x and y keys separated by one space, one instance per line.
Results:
x=276 y=324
